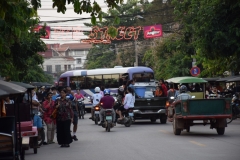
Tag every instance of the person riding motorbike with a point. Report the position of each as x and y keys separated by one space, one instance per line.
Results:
x=183 y=94
x=107 y=102
x=95 y=100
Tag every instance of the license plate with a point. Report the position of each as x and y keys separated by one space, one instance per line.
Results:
x=130 y=114
x=109 y=118
x=96 y=112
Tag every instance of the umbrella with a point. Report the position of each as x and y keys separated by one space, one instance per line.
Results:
x=3 y=93
x=25 y=85
x=236 y=79
x=11 y=88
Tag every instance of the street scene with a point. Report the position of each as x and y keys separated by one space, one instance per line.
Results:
x=119 y=79
x=145 y=140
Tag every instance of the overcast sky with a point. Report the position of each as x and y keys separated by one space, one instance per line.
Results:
x=47 y=13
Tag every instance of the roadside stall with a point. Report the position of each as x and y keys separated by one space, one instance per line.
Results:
x=186 y=113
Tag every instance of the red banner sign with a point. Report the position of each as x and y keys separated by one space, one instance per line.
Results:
x=152 y=31
x=47 y=29
x=100 y=35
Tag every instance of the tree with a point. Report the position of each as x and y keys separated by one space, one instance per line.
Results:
x=19 y=43
x=213 y=29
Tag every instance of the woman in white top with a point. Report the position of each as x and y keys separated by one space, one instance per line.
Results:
x=128 y=102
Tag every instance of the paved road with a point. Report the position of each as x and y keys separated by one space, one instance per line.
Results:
x=145 y=141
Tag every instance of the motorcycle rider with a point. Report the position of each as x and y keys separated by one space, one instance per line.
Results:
x=183 y=94
x=107 y=102
x=95 y=100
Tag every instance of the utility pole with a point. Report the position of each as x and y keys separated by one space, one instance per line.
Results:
x=136 y=54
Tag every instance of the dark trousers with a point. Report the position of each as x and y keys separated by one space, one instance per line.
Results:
x=63 y=132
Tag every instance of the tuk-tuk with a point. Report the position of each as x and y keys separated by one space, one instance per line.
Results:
x=184 y=113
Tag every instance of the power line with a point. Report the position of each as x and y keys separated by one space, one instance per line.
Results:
x=121 y=16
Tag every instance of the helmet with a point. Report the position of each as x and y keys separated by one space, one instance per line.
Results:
x=183 y=89
x=106 y=92
x=97 y=89
x=121 y=89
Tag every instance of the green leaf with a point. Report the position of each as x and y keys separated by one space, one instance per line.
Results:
x=116 y=20
x=93 y=20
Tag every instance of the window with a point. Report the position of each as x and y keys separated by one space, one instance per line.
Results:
x=79 y=60
x=77 y=82
x=65 y=67
x=49 y=68
x=78 y=53
x=94 y=81
x=143 y=77
x=69 y=67
x=58 y=68
x=62 y=82
x=111 y=80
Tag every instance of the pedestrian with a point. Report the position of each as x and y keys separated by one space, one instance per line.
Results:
x=161 y=83
x=64 y=119
x=48 y=106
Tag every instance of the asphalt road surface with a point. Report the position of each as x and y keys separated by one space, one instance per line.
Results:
x=145 y=141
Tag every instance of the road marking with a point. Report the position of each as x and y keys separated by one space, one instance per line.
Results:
x=199 y=144
x=164 y=131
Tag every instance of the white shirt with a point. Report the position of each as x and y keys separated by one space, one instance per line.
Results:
x=129 y=100
x=96 y=98
x=183 y=96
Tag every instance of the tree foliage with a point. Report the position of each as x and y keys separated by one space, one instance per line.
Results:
x=213 y=27
x=19 y=43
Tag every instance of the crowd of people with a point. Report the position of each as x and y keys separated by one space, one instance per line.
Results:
x=59 y=107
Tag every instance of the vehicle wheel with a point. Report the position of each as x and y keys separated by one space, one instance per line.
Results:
x=175 y=130
x=220 y=131
x=23 y=154
x=128 y=124
x=153 y=120
x=108 y=127
x=163 y=119
x=188 y=129
x=229 y=120
x=35 y=150
x=96 y=120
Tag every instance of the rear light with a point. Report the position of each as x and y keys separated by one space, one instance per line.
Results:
x=101 y=104
x=227 y=106
x=108 y=113
x=167 y=104
x=130 y=110
x=185 y=109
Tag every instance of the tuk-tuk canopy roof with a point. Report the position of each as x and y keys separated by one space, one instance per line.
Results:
x=236 y=79
x=40 y=84
x=25 y=85
x=3 y=93
x=186 y=80
x=212 y=79
x=11 y=88
x=226 y=78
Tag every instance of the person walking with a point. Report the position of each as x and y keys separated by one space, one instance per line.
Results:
x=64 y=119
x=48 y=106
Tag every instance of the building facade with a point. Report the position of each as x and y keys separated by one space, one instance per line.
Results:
x=60 y=58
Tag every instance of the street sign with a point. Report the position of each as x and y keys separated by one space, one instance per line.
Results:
x=195 y=71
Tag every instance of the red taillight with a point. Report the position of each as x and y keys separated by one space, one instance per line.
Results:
x=227 y=105
x=167 y=104
x=108 y=113
x=97 y=108
x=130 y=110
x=185 y=108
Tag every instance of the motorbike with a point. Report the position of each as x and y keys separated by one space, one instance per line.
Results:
x=81 y=111
x=127 y=117
x=108 y=120
x=96 y=117
x=235 y=109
